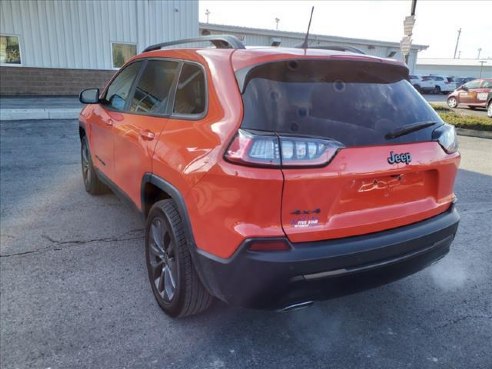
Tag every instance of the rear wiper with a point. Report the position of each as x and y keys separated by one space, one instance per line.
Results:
x=409 y=128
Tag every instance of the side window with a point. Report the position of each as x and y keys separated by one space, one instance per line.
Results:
x=152 y=91
x=190 y=92
x=119 y=90
x=487 y=84
x=473 y=84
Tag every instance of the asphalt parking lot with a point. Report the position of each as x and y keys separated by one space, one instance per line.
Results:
x=74 y=290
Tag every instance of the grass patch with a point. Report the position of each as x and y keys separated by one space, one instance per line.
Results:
x=462 y=120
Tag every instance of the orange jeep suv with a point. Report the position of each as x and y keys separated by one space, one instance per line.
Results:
x=272 y=177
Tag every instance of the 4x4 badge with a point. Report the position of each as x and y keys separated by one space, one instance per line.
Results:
x=399 y=158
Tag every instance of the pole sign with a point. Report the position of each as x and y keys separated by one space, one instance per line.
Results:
x=406 y=41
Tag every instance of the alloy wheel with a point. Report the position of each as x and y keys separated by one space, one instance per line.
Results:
x=162 y=260
x=86 y=170
x=452 y=103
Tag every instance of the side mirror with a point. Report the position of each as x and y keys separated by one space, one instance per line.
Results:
x=89 y=96
x=464 y=88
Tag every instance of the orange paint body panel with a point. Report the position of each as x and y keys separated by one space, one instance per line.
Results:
x=360 y=193
x=135 y=138
x=233 y=203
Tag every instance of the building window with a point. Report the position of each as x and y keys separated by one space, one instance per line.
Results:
x=122 y=52
x=9 y=50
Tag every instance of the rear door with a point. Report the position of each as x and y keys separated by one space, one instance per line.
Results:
x=483 y=93
x=347 y=112
x=138 y=130
x=469 y=96
x=427 y=83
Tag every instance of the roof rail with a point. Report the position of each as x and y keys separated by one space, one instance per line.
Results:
x=339 y=48
x=219 y=41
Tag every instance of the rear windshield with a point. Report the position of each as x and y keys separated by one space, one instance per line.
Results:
x=355 y=103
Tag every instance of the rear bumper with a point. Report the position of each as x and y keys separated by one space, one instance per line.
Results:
x=325 y=269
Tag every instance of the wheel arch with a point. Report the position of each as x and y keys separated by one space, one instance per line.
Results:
x=82 y=132
x=154 y=189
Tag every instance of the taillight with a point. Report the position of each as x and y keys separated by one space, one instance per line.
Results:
x=446 y=136
x=271 y=150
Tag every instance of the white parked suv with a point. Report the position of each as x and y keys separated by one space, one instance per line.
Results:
x=422 y=84
x=443 y=84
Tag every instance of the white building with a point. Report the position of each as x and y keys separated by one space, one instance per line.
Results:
x=59 y=47
x=267 y=37
x=455 y=67
x=52 y=47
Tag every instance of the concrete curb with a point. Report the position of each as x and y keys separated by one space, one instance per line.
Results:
x=38 y=114
x=473 y=133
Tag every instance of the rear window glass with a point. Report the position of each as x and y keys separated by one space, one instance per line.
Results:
x=355 y=103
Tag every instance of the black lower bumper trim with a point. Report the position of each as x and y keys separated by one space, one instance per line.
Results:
x=325 y=269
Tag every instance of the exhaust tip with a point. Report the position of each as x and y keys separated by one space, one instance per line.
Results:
x=296 y=306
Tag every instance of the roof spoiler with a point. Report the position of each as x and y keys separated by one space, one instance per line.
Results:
x=219 y=41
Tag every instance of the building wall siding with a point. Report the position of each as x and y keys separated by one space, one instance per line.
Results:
x=455 y=70
x=78 y=34
x=50 y=81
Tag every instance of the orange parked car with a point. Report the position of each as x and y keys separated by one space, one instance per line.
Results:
x=272 y=177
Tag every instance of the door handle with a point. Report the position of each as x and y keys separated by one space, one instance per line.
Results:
x=147 y=135
x=109 y=122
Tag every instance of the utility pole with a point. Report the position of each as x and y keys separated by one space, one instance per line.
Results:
x=457 y=42
x=482 y=62
x=479 y=51
x=207 y=13
x=276 y=21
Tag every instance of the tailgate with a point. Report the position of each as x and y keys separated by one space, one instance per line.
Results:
x=360 y=192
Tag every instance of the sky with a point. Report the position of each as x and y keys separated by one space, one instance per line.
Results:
x=437 y=21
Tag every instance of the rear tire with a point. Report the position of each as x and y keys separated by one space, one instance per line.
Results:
x=92 y=183
x=175 y=283
x=472 y=107
x=452 y=102
x=437 y=90
x=489 y=109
